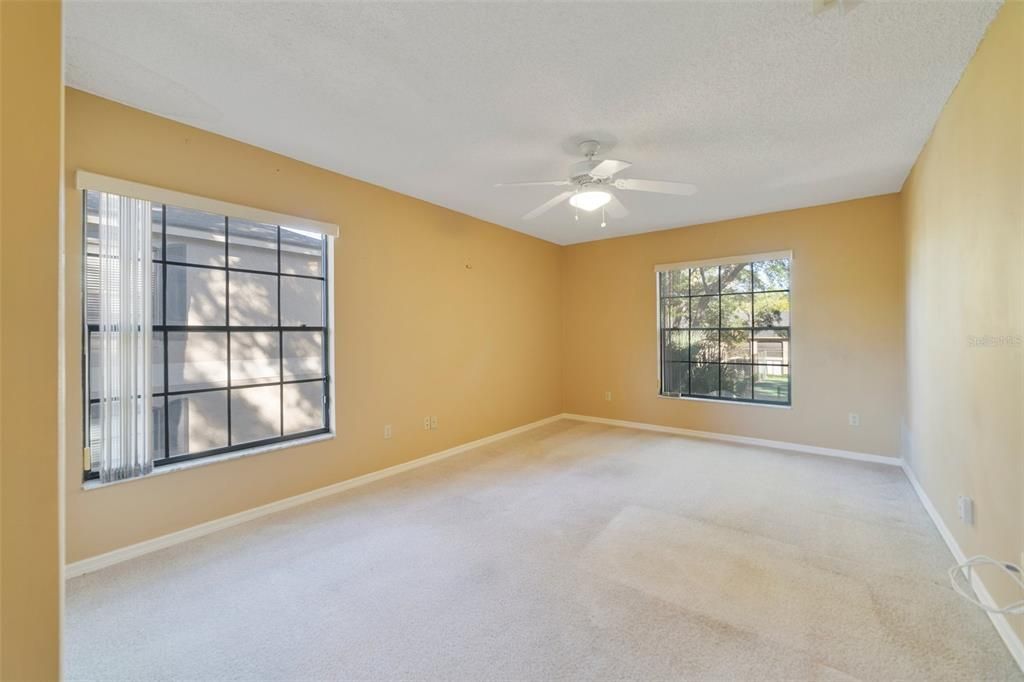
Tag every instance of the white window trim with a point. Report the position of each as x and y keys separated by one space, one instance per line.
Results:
x=726 y=260
x=102 y=183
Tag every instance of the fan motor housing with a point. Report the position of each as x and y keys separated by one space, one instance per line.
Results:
x=580 y=172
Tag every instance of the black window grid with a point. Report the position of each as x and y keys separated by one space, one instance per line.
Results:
x=666 y=365
x=165 y=329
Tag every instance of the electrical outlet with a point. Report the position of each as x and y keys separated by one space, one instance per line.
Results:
x=433 y=422
x=854 y=419
x=608 y=395
x=426 y=423
x=387 y=431
x=965 y=509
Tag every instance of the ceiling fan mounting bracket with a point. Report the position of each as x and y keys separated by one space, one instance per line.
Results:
x=589 y=148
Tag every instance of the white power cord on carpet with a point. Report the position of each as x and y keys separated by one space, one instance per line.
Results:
x=961 y=574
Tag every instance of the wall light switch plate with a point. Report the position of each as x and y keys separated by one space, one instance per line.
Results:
x=433 y=422
x=854 y=419
x=387 y=431
x=608 y=395
x=965 y=509
x=426 y=423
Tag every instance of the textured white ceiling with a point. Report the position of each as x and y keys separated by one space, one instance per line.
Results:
x=761 y=104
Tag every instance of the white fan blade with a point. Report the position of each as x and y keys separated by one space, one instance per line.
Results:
x=608 y=168
x=552 y=183
x=547 y=205
x=659 y=186
x=615 y=209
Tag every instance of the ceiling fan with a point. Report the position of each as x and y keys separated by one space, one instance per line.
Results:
x=591 y=182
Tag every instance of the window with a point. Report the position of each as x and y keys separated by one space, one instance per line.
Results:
x=240 y=337
x=724 y=329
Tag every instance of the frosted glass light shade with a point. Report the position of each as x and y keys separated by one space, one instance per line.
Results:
x=590 y=200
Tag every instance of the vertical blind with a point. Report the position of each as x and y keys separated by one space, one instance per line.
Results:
x=124 y=338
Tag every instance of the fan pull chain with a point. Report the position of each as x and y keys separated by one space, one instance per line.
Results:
x=604 y=220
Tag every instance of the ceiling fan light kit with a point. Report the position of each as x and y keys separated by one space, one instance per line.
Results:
x=590 y=199
x=592 y=180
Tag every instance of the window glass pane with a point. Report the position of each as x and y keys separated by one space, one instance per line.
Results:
x=255 y=414
x=303 y=355
x=771 y=310
x=159 y=414
x=675 y=313
x=704 y=345
x=771 y=383
x=736 y=310
x=197 y=422
x=737 y=382
x=157 y=284
x=675 y=282
x=771 y=347
x=96 y=363
x=195 y=296
x=252 y=246
x=675 y=378
x=197 y=360
x=703 y=379
x=253 y=299
x=735 y=345
x=676 y=346
x=157 y=362
x=302 y=302
x=704 y=312
x=771 y=275
x=303 y=406
x=735 y=278
x=195 y=236
x=302 y=253
x=94 y=434
x=255 y=358
x=704 y=280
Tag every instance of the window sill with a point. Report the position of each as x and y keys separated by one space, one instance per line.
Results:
x=215 y=459
x=726 y=402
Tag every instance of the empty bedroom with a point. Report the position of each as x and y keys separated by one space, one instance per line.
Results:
x=511 y=340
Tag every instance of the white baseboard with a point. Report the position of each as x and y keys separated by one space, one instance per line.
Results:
x=116 y=556
x=745 y=440
x=1000 y=621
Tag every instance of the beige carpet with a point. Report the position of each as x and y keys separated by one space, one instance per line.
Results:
x=574 y=551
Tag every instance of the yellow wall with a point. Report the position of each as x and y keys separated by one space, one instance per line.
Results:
x=30 y=494
x=964 y=216
x=847 y=312
x=436 y=313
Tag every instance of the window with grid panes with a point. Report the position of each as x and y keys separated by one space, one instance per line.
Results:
x=240 y=334
x=725 y=330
